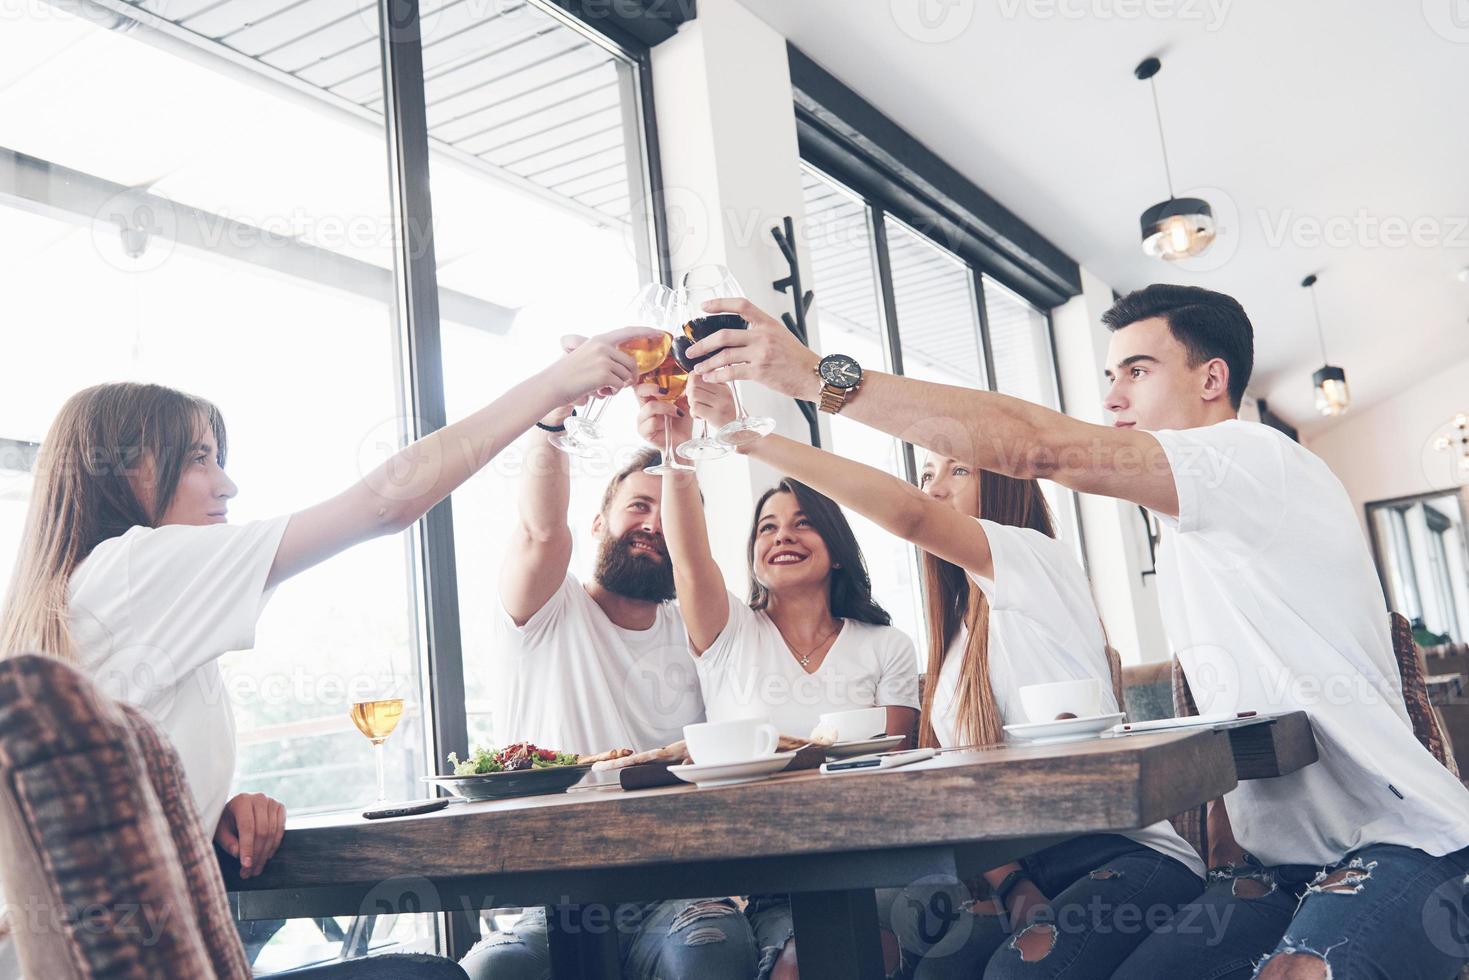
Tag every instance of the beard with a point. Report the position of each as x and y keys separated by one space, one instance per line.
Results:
x=632 y=574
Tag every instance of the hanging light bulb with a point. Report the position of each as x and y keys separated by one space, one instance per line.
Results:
x=1180 y=226
x=1333 y=397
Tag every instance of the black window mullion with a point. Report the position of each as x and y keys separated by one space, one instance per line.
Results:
x=890 y=318
x=976 y=281
x=421 y=369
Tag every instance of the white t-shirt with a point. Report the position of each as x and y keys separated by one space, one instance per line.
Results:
x=1272 y=604
x=749 y=672
x=571 y=679
x=150 y=612
x=1043 y=629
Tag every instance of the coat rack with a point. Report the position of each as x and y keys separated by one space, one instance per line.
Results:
x=796 y=323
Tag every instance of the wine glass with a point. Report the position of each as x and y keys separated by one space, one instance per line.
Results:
x=651 y=307
x=377 y=719
x=699 y=285
x=671 y=377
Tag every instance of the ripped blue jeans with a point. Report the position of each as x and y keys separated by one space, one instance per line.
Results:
x=696 y=938
x=1384 y=911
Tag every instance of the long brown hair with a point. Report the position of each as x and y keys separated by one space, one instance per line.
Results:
x=952 y=601
x=849 y=587
x=83 y=496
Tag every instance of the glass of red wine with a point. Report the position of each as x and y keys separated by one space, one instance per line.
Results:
x=699 y=285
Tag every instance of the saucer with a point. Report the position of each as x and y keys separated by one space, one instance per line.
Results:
x=731 y=773
x=1065 y=730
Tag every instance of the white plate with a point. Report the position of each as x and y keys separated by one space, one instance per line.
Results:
x=1067 y=730
x=863 y=746
x=730 y=773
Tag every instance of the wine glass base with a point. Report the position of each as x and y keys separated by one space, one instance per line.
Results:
x=742 y=432
x=569 y=444
x=662 y=468
x=703 y=449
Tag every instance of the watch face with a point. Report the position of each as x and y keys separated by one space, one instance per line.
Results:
x=840 y=371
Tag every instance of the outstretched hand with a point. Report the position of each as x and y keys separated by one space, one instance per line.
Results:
x=766 y=353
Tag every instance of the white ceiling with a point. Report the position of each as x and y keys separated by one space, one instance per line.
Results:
x=1343 y=119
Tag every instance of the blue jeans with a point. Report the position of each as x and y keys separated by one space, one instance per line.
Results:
x=695 y=938
x=1107 y=893
x=394 y=966
x=1383 y=911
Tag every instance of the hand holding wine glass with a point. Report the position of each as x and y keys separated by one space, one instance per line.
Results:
x=700 y=286
x=666 y=384
x=763 y=351
x=651 y=310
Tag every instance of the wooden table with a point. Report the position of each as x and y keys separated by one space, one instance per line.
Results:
x=826 y=840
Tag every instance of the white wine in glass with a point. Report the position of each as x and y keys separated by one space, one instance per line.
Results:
x=376 y=720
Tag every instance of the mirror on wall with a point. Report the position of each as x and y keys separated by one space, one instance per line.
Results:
x=1423 y=558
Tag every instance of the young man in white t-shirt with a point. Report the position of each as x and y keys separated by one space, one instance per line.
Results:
x=587 y=667
x=1355 y=866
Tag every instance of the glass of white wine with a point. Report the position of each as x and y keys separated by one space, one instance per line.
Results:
x=376 y=720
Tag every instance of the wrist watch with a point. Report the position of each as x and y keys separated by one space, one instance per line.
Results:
x=840 y=376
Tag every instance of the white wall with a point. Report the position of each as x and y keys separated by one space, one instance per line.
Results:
x=1387 y=450
x=1116 y=542
x=731 y=171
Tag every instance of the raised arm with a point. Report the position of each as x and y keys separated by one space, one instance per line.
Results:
x=401 y=490
x=991 y=431
x=539 y=550
x=703 y=598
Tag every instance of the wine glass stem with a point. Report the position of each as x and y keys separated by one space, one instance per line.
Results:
x=668 y=445
x=734 y=389
x=382 y=781
x=595 y=407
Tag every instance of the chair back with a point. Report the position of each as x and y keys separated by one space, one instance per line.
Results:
x=106 y=868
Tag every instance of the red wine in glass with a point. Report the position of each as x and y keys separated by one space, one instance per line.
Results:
x=701 y=328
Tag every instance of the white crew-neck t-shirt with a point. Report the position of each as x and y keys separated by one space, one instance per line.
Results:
x=571 y=679
x=1043 y=629
x=1272 y=603
x=749 y=672
x=150 y=612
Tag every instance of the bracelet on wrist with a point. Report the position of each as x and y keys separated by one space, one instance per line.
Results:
x=554 y=428
x=1005 y=887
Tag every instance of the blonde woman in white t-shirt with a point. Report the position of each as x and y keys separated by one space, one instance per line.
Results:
x=129 y=569
x=1008 y=606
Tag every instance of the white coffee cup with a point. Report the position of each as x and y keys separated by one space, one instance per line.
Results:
x=741 y=740
x=1044 y=702
x=860 y=723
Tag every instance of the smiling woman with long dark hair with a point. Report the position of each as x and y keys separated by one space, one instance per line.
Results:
x=809 y=640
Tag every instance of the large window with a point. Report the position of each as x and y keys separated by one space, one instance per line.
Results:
x=850 y=320
x=201 y=198
x=1025 y=366
x=934 y=316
